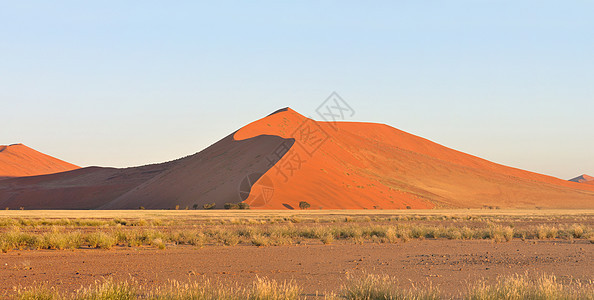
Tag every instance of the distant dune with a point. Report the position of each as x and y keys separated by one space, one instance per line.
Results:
x=284 y=159
x=583 y=179
x=19 y=160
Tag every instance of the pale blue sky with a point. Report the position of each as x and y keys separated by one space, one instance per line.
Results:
x=122 y=84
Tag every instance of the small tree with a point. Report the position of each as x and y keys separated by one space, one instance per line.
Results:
x=195 y=206
x=304 y=205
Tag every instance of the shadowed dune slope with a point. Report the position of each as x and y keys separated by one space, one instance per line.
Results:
x=365 y=165
x=212 y=175
x=19 y=160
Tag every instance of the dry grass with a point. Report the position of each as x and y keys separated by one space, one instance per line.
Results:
x=517 y=287
x=366 y=287
x=274 y=235
x=370 y=287
x=109 y=289
x=77 y=222
x=181 y=216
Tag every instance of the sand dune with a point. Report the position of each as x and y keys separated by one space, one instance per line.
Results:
x=285 y=158
x=583 y=179
x=212 y=175
x=19 y=160
x=365 y=165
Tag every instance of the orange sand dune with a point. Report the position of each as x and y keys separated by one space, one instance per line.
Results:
x=19 y=160
x=212 y=175
x=364 y=165
x=583 y=179
x=285 y=158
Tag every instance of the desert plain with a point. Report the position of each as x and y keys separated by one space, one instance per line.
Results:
x=288 y=207
x=311 y=254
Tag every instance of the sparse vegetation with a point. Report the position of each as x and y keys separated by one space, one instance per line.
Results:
x=246 y=232
x=270 y=229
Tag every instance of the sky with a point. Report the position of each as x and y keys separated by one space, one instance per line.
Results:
x=126 y=83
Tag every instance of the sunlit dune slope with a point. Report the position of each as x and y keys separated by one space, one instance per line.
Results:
x=19 y=160
x=365 y=165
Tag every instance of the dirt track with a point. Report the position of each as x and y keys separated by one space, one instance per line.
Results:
x=443 y=263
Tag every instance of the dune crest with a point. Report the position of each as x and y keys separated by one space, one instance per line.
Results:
x=583 y=179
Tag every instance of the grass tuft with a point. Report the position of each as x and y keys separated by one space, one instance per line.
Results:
x=517 y=287
x=371 y=287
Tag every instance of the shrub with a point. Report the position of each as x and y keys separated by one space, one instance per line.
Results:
x=260 y=240
x=209 y=205
x=231 y=206
x=243 y=205
x=101 y=240
x=327 y=238
x=159 y=243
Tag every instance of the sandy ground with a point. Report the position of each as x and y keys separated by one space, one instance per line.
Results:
x=190 y=215
x=447 y=264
